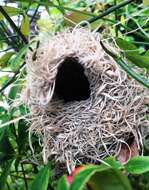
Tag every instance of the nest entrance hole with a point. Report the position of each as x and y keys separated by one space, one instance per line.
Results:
x=71 y=82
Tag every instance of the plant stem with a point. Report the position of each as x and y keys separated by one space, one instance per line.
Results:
x=126 y=68
x=12 y=24
x=21 y=177
x=6 y=33
x=108 y=11
x=128 y=29
x=36 y=10
x=12 y=79
x=142 y=43
x=22 y=168
x=6 y=50
x=116 y=19
x=64 y=7
x=8 y=187
x=61 y=7
x=25 y=180
x=14 y=181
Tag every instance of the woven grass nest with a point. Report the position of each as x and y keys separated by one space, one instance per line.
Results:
x=75 y=125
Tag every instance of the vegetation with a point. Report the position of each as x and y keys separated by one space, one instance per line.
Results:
x=126 y=23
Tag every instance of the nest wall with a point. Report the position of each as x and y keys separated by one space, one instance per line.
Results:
x=88 y=130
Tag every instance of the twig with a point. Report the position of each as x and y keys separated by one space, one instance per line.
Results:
x=12 y=24
x=25 y=180
x=8 y=187
x=142 y=43
x=65 y=8
x=128 y=29
x=6 y=50
x=34 y=13
x=12 y=79
x=108 y=11
x=8 y=37
x=29 y=4
x=22 y=177
x=22 y=168
x=14 y=181
x=5 y=32
x=126 y=67
x=61 y=7
x=116 y=19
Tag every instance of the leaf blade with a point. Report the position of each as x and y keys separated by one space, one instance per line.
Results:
x=25 y=26
x=11 y=11
x=62 y=184
x=138 y=165
x=5 y=58
x=42 y=179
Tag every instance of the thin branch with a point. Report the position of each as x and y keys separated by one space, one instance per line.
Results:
x=6 y=71
x=126 y=68
x=142 y=43
x=4 y=31
x=12 y=79
x=127 y=28
x=6 y=49
x=4 y=39
x=29 y=4
x=36 y=10
x=108 y=11
x=12 y=24
x=25 y=180
x=61 y=7
x=116 y=19
x=14 y=182
x=65 y=8
x=22 y=168
x=8 y=187
x=22 y=177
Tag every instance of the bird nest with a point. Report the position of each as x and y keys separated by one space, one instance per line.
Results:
x=83 y=106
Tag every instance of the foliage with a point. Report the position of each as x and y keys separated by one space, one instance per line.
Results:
x=126 y=24
x=107 y=176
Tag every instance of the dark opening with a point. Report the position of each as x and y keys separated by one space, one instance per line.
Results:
x=71 y=82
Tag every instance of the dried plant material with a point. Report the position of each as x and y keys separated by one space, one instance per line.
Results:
x=128 y=150
x=88 y=130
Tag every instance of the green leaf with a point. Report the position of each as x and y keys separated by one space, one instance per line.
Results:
x=16 y=61
x=22 y=134
x=2 y=109
x=127 y=68
x=141 y=61
x=85 y=174
x=138 y=165
x=100 y=177
x=77 y=17
x=111 y=179
x=42 y=179
x=147 y=53
x=25 y=26
x=4 y=174
x=145 y=2
x=132 y=53
x=6 y=149
x=11 y=11
x=15 y=89
x=3 y=80
x=127 y=46
x=5 y=58
x=113 y=163
x=62 y=184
